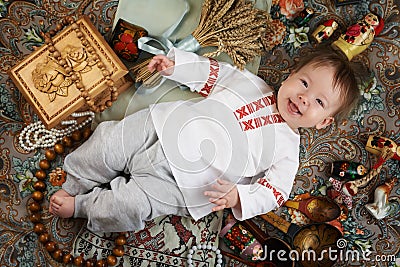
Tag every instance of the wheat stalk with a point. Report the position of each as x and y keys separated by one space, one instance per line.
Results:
x=234 y=27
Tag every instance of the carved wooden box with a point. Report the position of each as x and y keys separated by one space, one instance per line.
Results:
x=47 y=87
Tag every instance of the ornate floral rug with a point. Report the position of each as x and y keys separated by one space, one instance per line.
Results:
x=165 y=241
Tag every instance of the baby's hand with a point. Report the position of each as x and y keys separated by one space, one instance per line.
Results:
x=225 y=195
x=162 y=64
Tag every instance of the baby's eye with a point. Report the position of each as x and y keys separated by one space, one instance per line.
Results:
x=304 y=83
x=319 y=101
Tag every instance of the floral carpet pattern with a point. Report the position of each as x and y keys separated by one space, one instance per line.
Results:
x=21 y=23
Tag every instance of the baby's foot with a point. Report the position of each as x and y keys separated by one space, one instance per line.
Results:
x=63 y=207
x=59 y=193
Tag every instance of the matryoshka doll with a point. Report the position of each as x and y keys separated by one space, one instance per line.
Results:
x=347 y=170
x=325 y=30
x=359 y=36
x=375 y=145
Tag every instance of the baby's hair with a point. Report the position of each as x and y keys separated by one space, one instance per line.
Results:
x=346 y=78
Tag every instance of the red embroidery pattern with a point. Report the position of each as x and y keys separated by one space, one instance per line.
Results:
x=212 y=78
x=254 y=106
x=255 y=123
x=278 y=195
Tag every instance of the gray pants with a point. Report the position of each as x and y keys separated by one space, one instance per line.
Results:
x=127 y=157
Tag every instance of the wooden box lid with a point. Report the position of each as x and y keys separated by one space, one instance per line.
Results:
x=62 y=98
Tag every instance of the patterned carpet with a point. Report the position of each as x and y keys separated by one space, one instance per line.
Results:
x=165 y=241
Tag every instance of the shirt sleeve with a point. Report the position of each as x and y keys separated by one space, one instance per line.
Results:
x=268 y=192
x=201 y=74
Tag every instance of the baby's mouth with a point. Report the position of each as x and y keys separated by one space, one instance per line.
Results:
x=293 y=108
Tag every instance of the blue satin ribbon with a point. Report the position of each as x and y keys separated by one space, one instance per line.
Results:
x=162 y=45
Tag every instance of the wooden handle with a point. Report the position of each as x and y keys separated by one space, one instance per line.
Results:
x=276 y=221
x=292 y=204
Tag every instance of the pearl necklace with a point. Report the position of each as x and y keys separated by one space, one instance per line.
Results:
x=201 y=246
x=35 y=135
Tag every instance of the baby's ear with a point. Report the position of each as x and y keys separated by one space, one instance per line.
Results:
x=326 y=122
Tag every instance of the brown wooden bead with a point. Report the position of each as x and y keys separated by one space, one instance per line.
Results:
x=95 y=57
x=34 y=207
x=109 y=103
x=58 y=255
x=90 y=102
x=50 y=154
x=110 y=83
x=74 y=77
x=62 y=62
x=89 y=263
x=38 y=228
x=37 y=195
x=120 y=240
x=48 y=41
x=44 y=238
x=76 y=135
x=35 y=218
x=59 y=148
x=84 y=94
x=112 y=260
x=79 y=85
x=86 y=133
x=51 y=246
x=78 y=261
x=67 y=141
x=40 y=174
x=44 y=164
x=67 y=258
x=59 y=27
x=118 y=251
x=69 y=19
x=101 y=263
x=39 y=185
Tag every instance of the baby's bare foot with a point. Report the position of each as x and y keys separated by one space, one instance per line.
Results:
x=63 y=207
x=59 y=193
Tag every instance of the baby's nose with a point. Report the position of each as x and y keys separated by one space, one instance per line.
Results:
x=303 y=100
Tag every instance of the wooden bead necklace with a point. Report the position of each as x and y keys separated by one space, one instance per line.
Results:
x=73 y=73
x=35 y=207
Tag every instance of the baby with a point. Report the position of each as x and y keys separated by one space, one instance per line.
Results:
x=237 y=147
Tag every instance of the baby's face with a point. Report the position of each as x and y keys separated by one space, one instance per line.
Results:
x=307 y=98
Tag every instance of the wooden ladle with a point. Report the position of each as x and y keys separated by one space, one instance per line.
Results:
x=316 y=238
x=316 y=208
